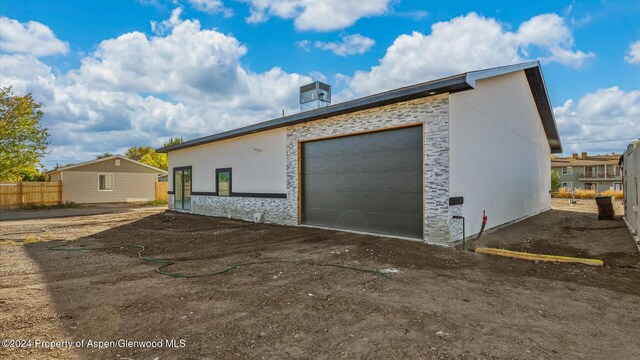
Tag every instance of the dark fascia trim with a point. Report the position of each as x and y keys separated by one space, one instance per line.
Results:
x=170 y=192
x=456 y=200
x=543 y=104
x=253 y=195
x=446 y=85
x=261 y=195
x=204 y=193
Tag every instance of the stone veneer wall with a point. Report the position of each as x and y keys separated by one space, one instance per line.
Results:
x=276 y=211
x=432 y=113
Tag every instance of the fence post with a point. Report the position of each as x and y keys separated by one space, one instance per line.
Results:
x=19 y=193
x=59 y=191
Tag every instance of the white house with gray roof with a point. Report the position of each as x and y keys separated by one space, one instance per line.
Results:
x=108 y=180
x=401 y=163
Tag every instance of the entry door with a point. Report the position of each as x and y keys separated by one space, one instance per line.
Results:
x=182 y=188
x=370 y=182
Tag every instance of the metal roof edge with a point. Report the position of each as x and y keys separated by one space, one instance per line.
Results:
x=472 y=76
x=449 y=84
x=455 y=83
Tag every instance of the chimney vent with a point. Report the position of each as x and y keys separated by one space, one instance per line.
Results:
x=584 y=155
x=574 y=155
x=315 y=96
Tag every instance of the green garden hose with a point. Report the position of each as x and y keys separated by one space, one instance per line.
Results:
x=166 y=263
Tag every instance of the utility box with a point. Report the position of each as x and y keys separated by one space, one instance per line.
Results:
x=315 y=96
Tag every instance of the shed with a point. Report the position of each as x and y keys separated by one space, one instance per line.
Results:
x=401 y=163
x=107 y=180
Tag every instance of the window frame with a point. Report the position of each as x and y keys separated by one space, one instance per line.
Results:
x=570 y=187
x=217 y=181
x=173 y=185
x=569 y=170
x=618 y=184
x=113 y=181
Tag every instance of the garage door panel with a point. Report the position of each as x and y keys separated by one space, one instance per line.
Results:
x=381 y=223
x=397 y=181
x=397 y=160
x=391 y=202
x=384 y=140
x=371 y=182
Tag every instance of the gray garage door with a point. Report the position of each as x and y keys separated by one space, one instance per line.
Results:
x=370 y=182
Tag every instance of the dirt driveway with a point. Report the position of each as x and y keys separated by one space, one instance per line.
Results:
x=442 y=304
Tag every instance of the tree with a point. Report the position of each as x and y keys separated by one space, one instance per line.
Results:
x=555 y=181
x=23 y=140
x=149 y=156
x=173 y=141
x=32 y=174
x=105 y=155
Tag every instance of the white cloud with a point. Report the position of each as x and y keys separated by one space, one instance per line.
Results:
x=137 y=89
x=211 y=7
x=601 y=115
x=161 y=28
x=466 y=43
x=633 y=55
x=304 y=45
x=31 y=38
x=348 y=45
x=316 y=15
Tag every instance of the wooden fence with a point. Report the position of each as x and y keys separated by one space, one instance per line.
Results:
x=161 y=191
x=15 y=195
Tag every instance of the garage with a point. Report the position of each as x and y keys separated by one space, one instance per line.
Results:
x=370 y=182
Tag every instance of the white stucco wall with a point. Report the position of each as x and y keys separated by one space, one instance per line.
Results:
x=499 y=154
x=631 y=173
x=258 y=163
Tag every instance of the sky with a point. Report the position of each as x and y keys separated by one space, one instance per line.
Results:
x=114 y=74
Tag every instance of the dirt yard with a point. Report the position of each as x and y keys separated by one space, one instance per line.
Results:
x=442 y=304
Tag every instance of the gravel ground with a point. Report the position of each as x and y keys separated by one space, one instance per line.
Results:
x=442 y=304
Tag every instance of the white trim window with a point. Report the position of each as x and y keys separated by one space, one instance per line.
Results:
x=617 y=186
x=591 y=186
x=105 y=182
x=567 y=170
x=568 y=185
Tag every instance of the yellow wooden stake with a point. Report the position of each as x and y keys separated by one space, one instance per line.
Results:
x=538 y=257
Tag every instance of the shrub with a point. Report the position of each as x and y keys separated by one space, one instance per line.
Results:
x=63 y=205
x=584 y=194
x=155 y=203
x=563 y=193
x=614 y=193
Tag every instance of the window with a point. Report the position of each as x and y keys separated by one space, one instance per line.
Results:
x=616 y=171
x=117 y=162
x=105 y=182
x=590 y=186
x=223 y=182
x=567 y=170
x=567 y=185
x=617 y=186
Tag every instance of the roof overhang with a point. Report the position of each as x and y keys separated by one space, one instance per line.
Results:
x=160 y=171
x=451 y=84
